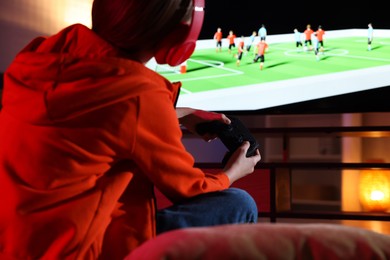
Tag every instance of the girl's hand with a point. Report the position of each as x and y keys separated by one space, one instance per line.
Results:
x=191 y=117
x=239 y=165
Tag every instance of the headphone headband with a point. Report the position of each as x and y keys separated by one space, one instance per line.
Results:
x=172 y=50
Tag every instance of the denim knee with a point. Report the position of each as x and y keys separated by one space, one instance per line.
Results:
x=241 y=204
x=241 y=201
x=230 y=206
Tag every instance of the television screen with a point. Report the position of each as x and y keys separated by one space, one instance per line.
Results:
x=343 y=76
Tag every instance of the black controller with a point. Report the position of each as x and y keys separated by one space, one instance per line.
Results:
x=232 y=135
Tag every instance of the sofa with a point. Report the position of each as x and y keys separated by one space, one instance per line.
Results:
x=260 y=241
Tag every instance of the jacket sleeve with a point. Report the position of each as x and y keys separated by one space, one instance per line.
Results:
x=161 y=155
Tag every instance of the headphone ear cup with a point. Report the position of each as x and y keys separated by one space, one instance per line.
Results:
x=173 y=49
x=179 y=45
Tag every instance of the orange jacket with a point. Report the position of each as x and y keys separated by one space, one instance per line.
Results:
x=85 y=136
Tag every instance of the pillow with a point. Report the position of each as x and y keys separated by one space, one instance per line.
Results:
x=266 y=241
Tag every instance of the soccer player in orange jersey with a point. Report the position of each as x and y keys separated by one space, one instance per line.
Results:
x=241 y=45
x=308 y=32
x=231 y=37
x=262 y=47
x=320 y=36
x=218 y=39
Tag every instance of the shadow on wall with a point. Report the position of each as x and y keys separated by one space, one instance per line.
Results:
x=1 y=87
x=14 y=38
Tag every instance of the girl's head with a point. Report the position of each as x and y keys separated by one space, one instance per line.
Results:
x=137 y=27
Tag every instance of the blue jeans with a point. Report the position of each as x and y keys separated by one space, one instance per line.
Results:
x=231 y=206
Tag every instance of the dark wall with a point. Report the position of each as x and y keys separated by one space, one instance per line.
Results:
x=14 y=37
x=1 y=87
x=282 y=17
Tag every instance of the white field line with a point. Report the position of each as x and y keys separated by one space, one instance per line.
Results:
x=330 y=52
x=211 y=64
x=359 y=57
x=258 y=96
x=221 y=67
x=377 y=41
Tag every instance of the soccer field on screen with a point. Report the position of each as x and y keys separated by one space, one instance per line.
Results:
x=213 y=78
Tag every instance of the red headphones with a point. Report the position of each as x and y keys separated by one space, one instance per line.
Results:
x=173 y=52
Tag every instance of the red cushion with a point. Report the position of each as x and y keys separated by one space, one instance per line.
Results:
x=266 y=241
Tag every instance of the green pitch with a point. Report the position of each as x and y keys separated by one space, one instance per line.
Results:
x=208 y=70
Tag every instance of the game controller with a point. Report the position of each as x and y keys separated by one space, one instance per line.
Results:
x=232 y=135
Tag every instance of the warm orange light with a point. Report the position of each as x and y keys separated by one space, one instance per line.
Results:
x=374 y=188
x=45 y=17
